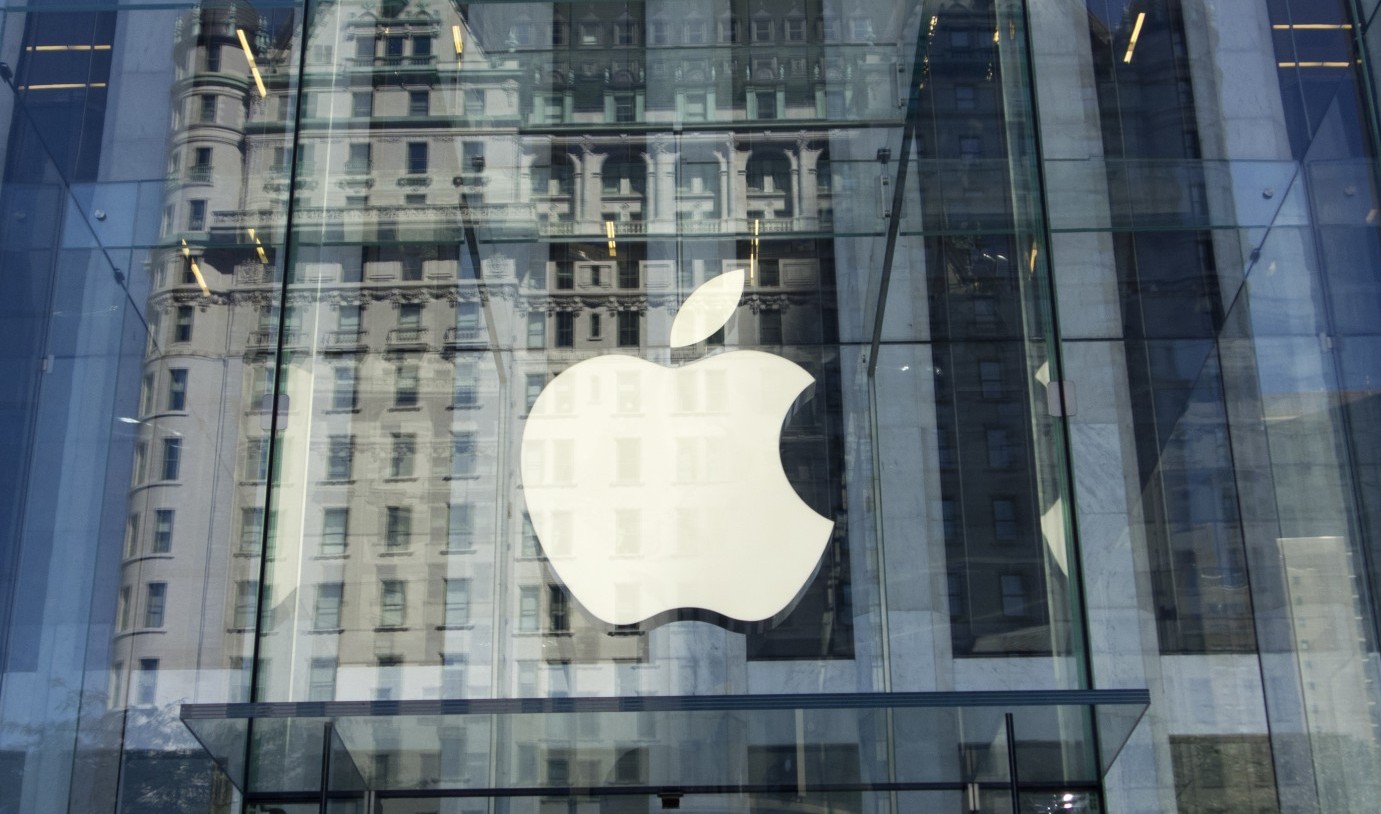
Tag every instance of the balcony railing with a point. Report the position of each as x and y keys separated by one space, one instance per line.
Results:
x=338 y=340
x=269 y=339
x=465 y=337
x=200 y=174
x=399 y=337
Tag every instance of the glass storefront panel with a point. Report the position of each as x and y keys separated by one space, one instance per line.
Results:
x=385 y=353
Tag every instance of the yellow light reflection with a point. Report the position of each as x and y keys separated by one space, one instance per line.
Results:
x=63 y=86
x=1136 y=34
x=253 y=66
x=456 y=39
x=609 y=233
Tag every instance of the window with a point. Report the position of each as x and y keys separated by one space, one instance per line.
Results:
x=177 y=389
x=565 y=275
x=321 y=680
x=596 y=327
x=769 y=273
x=457 y=602
x=529 y=541
x=625 y=33
x=397 y=527
x=536 y=330
x=251 y=530
x=417 y=157
x=630 y=324
x=393 y=46
x=467 y=385
x=172 y=458
x=402 y=456
x=949 y=514
x=146 y=394
x=954 y=587
x=990 y=378
x=795 y=30
x=695 y=32
x=999 y=448
x=357 y=160
x=533 y=385
x=452 y=686
x=147 y=688
x=587 y=33
x=335 y=527
x=527 y=609
x=392 y=603
x=196 y=216
x=246 y=604
x=1013 y=595
x=770 y=326
x=409 y=316
x=474 y=104
x=463 y=457
x=625 y=108
x=364 y=47
x=141 y=452
x=628 y=275
x=405 y=386
x=155 y=604
x=326 y=615
x=257 y=454
x=657 y=33
x=213 y=57
x=343 y=389
x=132 y=534
x=419 y=103
x=965 y=97
x=182 y=325
x=1004 y=511
x=207 y=111
x=390 y=683
x=565 y=329
x=412 y=265
x=340 y=457
x=126 y=607
x=767 y=104
x=460 y=527
x=201 y=164
x=362 y=104
x=162 y=531
x=558 y=610
x=762 y=30
x=729 y=30
x=970 y=148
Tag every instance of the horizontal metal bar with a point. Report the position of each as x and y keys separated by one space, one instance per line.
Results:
x=686 y=790
x=673 y=703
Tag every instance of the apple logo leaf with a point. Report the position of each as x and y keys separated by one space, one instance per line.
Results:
x=707 y=308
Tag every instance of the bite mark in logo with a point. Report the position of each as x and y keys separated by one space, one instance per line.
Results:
x=654 y=488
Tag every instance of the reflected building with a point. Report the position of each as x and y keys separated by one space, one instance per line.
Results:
x=1084 y=294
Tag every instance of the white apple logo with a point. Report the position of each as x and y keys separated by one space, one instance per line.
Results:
x=654 y=488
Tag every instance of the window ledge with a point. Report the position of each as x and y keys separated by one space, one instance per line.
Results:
x=391 y=629
x=464 y=626
x=141 y=631
x=148 y=556
x=325 y=631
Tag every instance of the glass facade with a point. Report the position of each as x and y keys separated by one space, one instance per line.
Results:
x=728 y=405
